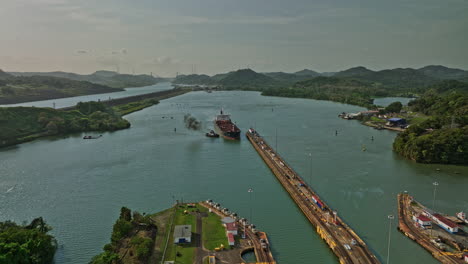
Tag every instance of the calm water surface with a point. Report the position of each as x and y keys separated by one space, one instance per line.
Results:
x=78 y=185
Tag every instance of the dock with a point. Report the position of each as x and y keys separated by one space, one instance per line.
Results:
x=342 y=240
x=263 y=254
x=407 y=226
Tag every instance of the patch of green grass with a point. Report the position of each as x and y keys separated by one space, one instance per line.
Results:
x=214 y=233
x=377 y=120
x=186 y=251
x=126 y=109
x=418 y=119
x=163 y=221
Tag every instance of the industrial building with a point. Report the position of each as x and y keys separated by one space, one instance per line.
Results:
x=445 y=223
x=397 y=122
x=422 y=221
x=231 y=228
x=182 y=234
x=230 y=238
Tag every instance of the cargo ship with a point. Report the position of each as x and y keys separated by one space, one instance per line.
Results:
x=225 y=127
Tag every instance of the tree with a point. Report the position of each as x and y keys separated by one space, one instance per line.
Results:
x=8 y=91
x=52 y=128
x=125 y=214
x=394 y=107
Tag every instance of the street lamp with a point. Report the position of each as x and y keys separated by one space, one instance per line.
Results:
x=310 y=169
x=390 y=218
x=250 y=191
x=433 y=199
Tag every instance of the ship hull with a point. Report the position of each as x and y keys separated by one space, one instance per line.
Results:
x=230 y=135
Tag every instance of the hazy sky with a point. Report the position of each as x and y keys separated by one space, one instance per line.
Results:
x=168 y=36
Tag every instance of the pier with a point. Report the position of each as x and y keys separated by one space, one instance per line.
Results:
x=254 y=237
x=342 y=240
x=407 y=226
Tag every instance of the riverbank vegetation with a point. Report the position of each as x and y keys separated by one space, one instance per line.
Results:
x=331 y=89
x=19 y=89
x=132 y=240
x=126 y=109
x=443 y=137
x=26 y=243
x=22 y=124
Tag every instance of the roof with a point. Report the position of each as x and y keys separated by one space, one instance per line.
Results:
x=230 y=237
x=395 y=119
x=424 y=218
x=182 y=231
x=444 y=220
x=228 y=220
x=231 y=226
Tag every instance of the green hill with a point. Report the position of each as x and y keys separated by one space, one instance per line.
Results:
x=354 y=72
x=194 y=79
x=241 y=79
x=308 y=73
x=442 y=138
x=107 y=78
x=21 y=124
x=396 y=80
x=4 y=75
x=331 y=88
x=247 y=79
x=445 y=73
x=35 y=88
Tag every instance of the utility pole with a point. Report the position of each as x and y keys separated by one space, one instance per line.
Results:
x=310 y=169
x=434 y=196
x=250 y=191
x=390 y=218
x=433 y=201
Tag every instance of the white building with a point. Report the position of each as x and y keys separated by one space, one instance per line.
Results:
x=231 y=228
x=182 y=234
x=422 y=220
x=445 y=223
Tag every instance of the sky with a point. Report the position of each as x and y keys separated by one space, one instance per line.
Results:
x=213 y=36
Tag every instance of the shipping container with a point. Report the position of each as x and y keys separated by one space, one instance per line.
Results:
x=320 y=205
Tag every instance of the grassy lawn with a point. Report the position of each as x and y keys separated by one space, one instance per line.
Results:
x=214 y=233
x=377 y=120
x=163 y=221
x=417 y=119
x=186 y=251
x=126 y=109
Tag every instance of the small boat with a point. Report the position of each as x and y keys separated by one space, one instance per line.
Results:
x=91 y=137
x=212 y=134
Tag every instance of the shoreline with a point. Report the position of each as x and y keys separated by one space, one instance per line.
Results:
x=124 y=106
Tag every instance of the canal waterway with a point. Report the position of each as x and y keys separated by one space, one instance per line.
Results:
x=78 y=186
x=71 y=101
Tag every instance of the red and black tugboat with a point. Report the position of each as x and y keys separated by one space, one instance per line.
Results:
x=226 y=128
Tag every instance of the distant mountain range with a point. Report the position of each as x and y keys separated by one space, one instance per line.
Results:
x=108 y=78
x=18 y=89
x=395 y=79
